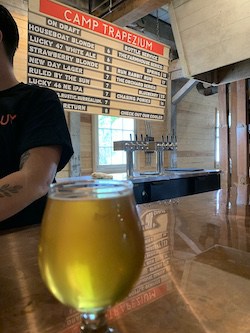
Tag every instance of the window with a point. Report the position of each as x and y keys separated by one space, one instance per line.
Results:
x=110 y=129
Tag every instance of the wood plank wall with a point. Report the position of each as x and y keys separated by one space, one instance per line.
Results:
x=195 y=130
x=86 y=144
x=195 y=118
x=195 y=135
x=222 y=38
x=196 y=121
x=19 y=10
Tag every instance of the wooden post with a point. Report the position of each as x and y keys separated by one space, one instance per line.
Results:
x=171 y=123
x=239 y=133
x=224 y=135
x=233 y=138
x=74 y=126
x=242 y=134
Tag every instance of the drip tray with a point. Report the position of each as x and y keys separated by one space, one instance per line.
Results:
x=149 y=173
x=184 y=169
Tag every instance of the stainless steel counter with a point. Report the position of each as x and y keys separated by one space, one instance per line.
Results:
x=169 y=174
x=152 y=176
x=149 y=187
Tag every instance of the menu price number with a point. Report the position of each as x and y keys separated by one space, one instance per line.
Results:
x=105 y=110
x=108 y=59
x=107 y=85
x=106 y=102
x=107 y=68
x=107 y=76
x=106 y=93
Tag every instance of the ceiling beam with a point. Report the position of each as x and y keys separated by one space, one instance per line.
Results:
x=130 y=11
x=183 y=91
x=226 y=74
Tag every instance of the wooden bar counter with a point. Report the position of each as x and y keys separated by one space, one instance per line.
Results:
x=196 y=276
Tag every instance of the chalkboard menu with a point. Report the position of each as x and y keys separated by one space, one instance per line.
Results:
x=94 y=66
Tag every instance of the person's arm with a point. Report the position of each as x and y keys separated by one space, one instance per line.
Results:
x=38 y=167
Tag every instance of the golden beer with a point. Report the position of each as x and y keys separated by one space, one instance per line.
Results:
x=91 y=249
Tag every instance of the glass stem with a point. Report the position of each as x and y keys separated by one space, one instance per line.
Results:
x=95 y=323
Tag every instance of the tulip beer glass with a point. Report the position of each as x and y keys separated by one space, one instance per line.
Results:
x=91 y=248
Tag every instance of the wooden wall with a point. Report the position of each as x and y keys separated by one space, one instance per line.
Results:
x=19 y=11
x=86 y=144
x=195 y=118
x=195 y=135
x=196 y=115
x=210 y=34
x=195 y=130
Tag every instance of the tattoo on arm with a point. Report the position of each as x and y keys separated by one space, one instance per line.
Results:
x=23 y=159
x=7 y=190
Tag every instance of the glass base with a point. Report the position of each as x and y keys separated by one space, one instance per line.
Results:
x=95 y=323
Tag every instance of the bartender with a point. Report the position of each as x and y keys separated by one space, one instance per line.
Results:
x=34 y=139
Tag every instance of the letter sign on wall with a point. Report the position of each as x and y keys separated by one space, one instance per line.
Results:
x=95 y=66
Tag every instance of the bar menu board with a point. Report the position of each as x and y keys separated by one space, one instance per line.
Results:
x=95 y=66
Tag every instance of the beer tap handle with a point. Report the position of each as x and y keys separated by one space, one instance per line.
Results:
x=173 y=135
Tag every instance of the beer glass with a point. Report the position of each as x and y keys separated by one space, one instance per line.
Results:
x=91 y=247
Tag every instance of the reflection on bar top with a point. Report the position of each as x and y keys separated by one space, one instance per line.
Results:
x=196 y=275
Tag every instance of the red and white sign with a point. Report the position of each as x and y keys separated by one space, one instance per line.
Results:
x=94 y=24
x=95 y=66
